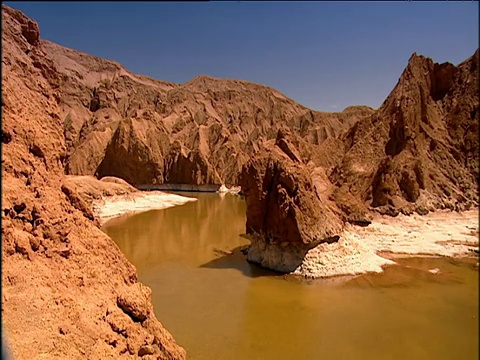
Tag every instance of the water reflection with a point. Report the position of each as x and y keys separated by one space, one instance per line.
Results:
x=218 y=306
x=184 y=234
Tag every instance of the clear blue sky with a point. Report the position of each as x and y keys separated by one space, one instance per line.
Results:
x=325 y=55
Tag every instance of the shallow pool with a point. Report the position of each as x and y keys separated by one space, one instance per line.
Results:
x=218 y=306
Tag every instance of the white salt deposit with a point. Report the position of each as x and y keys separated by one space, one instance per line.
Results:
x=441 y=233
x=114 y=206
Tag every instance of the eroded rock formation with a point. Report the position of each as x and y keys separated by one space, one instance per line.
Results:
x=152 y=132
x=416 y=153
x=419 y=151
x=287 y=213
x=67 y=290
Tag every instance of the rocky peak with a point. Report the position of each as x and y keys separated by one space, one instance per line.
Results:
x=406 y=153
x=29 y=28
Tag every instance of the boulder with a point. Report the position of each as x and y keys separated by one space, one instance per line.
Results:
x=285 y=214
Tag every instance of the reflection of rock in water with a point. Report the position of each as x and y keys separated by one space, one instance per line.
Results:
x=222 y=252
x=187 y=233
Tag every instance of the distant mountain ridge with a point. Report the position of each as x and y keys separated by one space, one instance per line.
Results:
x=151 y=132
x=199 y=132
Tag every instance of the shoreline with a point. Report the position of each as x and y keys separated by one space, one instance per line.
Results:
x=209 y=188
x=368 y=249
x=359 y=250
x=115 y=206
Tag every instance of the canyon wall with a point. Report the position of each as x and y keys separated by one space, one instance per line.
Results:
x=67 y=290
x=417 y=153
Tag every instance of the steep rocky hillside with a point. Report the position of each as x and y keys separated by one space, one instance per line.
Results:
x=67 y=290
x=152 y=132
x=419 y=151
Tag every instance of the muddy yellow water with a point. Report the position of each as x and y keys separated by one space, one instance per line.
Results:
x=218 y=306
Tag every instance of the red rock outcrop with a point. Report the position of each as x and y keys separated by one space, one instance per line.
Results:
x=287 y=213
x=419 y=151
x=67 y=290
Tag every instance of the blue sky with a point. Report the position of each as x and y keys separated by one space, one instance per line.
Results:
x=324 y=55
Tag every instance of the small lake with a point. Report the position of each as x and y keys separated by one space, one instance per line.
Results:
x=218 y=306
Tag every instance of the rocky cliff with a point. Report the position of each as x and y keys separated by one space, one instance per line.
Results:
x=417 y=152
x=288 y=207
x=152 y=132
x=67 y=290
